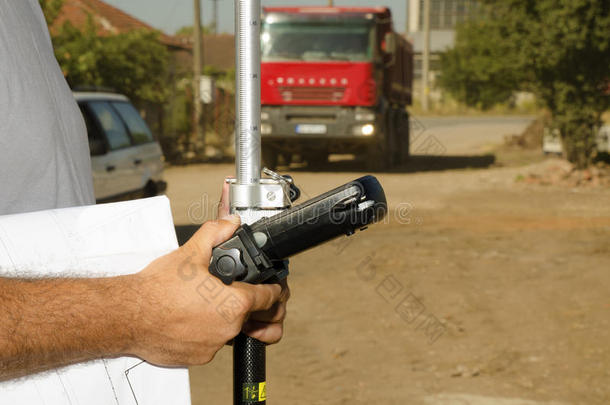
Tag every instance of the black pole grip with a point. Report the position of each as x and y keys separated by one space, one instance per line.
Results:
x=249 y=385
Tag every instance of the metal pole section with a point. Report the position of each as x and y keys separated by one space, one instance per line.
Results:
x=248 y=91
x=197 y=67
x=249 y=385
x=426 y=57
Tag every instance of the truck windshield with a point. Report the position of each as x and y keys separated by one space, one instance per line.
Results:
x=317 y=41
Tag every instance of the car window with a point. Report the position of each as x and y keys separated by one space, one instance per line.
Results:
x=111 y=123
x=92 y=131
x=140 y=133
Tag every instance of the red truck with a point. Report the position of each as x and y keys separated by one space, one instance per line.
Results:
x=334 y=80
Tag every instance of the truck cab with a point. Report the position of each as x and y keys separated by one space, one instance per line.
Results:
x=334 y=80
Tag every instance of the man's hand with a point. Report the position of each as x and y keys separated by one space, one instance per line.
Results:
x=266 y=326
x=187 y=314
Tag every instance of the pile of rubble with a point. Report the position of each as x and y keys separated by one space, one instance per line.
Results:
x=531 y=137
x=563 y=173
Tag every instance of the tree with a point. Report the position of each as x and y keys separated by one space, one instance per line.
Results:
x=51 y=9
x=559 y=49
x=133 y=63
x=477 y=71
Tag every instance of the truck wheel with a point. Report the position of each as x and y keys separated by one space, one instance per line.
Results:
x=402 y=137
x=316 y=159
x=394 y=137
x=269 y=157
x=390 y=132
x=405 y=147
x=377 y=156
x=286 y=159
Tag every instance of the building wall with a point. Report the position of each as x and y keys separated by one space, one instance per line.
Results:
x=444 y=16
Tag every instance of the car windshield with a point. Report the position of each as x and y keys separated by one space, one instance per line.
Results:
x=317 y=41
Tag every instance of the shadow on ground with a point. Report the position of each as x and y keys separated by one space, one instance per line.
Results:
x=416 y=163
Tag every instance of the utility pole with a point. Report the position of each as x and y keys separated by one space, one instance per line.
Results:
x=426 y=58
x=330 y=3
x=215 y=11
x=407 y=18
x=198 y=135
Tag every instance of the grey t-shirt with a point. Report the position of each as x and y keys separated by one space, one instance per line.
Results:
x=44 y=153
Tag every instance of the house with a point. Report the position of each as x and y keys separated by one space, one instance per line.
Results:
x=219 y=51
x=107 y=19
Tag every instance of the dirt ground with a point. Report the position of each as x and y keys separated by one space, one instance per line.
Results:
x=478 y=289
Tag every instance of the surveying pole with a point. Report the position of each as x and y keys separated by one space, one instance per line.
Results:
x=251 y=197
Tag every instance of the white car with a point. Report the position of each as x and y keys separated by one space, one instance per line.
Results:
x=127 y=161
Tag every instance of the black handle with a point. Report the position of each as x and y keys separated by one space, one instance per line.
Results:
x=137 y=161
x=249 y=385
x=256 y=252
x=110 y=168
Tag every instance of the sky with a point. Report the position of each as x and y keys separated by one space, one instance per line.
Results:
x=169 y=15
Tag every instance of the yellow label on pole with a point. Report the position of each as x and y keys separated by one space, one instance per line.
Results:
x=254 y=392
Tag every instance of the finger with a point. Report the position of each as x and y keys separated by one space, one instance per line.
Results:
x=224 y=204
x=276 y=314
x=212 y=234
x=265 y=332
x=263 y=296
x=285 y=291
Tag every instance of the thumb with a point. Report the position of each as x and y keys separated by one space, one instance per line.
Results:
x=223 y=205
x=212 y=234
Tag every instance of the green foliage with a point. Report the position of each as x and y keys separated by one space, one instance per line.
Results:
x=477 y=71
x=133 y=63
x=51 y=9
x=178 y=112
x=559 y=49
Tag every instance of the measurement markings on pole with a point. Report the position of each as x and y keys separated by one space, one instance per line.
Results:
x=254 y=392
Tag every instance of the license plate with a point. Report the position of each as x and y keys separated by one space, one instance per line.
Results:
x=311 y=129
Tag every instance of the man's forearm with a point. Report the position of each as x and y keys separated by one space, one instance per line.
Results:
x=158 y=314
x=47 y=323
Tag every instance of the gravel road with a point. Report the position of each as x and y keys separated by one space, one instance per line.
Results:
x=477 y=290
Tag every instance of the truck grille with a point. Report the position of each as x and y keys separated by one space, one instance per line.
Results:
x=312 y=93
x=312 y=118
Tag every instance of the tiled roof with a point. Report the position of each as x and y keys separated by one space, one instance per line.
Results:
x=108 y=19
